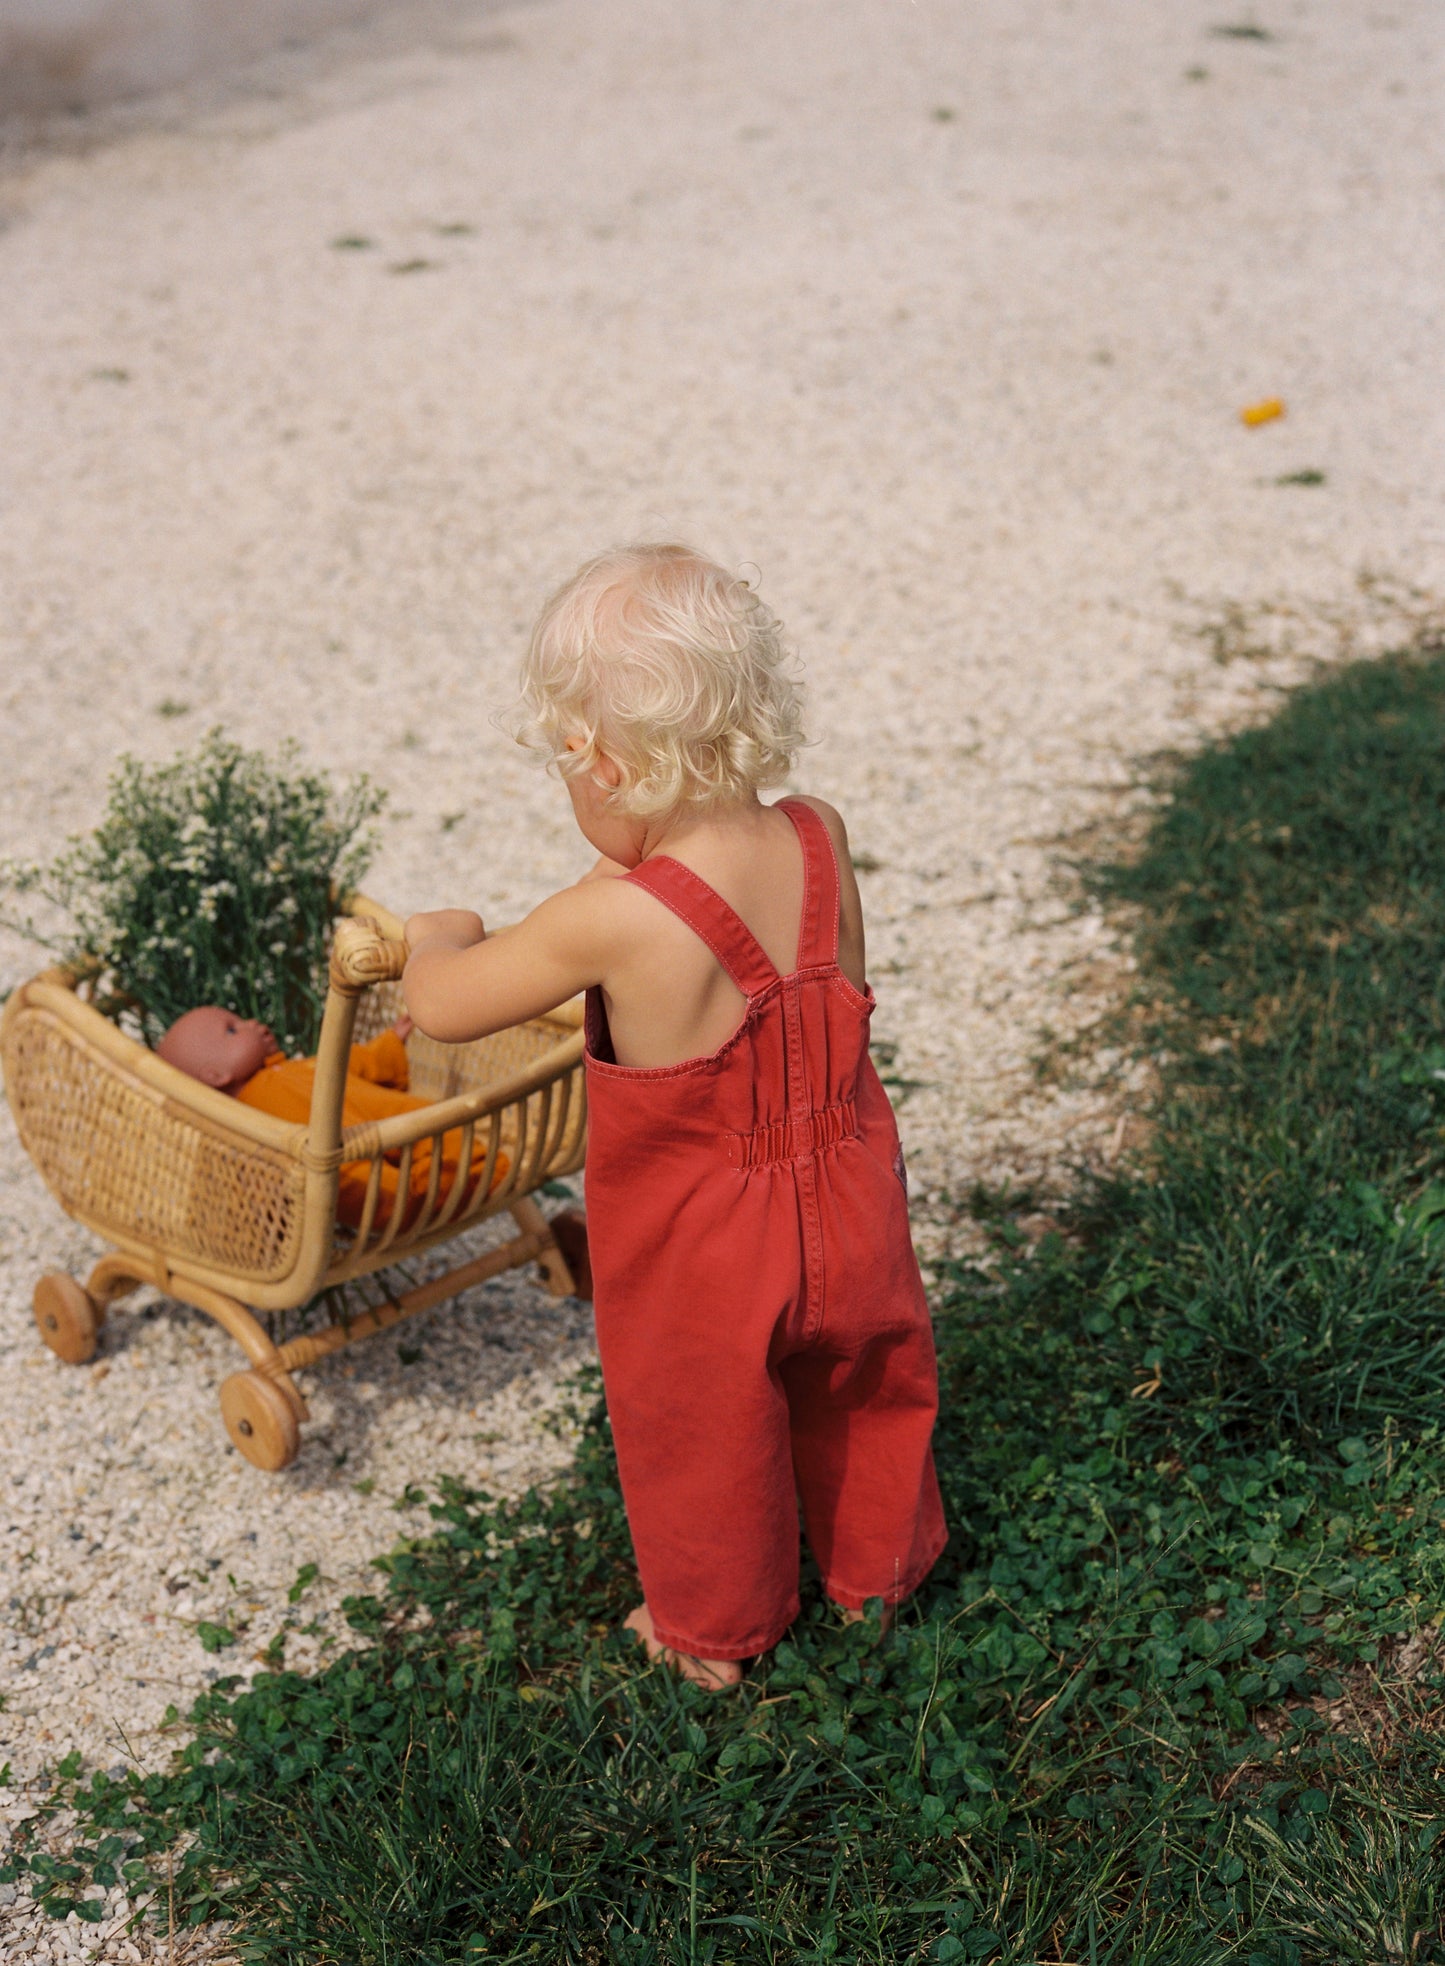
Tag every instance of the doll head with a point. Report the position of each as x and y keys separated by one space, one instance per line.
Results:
x=663 y=663
x=218 y=1047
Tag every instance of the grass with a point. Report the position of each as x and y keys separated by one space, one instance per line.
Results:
x=1172 y=1696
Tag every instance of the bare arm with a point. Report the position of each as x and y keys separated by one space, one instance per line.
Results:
x=460 y=983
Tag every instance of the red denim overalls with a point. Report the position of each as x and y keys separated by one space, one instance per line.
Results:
x=760 y=1316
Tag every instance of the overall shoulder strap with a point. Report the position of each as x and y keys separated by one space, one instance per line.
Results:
x=710 y=918
x=818 y=931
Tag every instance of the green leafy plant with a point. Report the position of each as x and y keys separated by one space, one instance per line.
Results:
x=208 y=880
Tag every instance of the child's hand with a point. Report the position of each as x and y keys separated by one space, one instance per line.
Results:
x=455 y=928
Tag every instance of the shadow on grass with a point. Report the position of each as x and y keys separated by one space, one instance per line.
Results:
x=1169 y=1697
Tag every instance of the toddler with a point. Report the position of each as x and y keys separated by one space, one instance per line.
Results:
x=760 y=1317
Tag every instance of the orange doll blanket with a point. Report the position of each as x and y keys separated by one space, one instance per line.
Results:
x=376 y=1088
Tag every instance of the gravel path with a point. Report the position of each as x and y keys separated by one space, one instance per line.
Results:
x=941 y=317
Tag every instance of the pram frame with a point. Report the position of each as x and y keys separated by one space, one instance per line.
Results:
x=534 y=1115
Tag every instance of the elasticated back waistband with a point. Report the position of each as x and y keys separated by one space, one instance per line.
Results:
x=794 y=1139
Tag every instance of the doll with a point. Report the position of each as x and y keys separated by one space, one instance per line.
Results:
x=239 y=1056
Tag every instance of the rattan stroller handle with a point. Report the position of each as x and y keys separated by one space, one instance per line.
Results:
x=362 y=956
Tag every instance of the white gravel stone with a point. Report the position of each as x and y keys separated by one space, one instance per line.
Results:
x=941 y=316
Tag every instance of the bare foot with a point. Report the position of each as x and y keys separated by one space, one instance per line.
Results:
x=885 y=1617
x=717 y=1675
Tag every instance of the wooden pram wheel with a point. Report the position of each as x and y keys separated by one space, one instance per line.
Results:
x=260 y=1420
x=66 y=1317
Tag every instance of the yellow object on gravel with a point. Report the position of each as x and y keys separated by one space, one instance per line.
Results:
x=1256 y=413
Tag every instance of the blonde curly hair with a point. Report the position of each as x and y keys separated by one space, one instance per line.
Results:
x=674 y=668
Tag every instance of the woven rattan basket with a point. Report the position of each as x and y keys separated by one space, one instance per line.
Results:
x=234 y=1211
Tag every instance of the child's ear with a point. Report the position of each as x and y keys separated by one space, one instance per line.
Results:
x=608 y=772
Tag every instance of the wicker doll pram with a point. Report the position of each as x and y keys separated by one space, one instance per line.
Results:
x=234 y=1211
